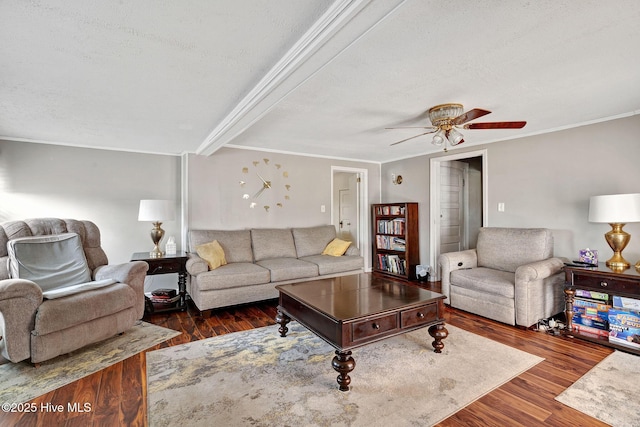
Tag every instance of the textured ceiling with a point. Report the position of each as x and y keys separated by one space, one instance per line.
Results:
x=315 y=77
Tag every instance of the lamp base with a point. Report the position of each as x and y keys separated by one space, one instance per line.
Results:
x=156 y=235
x=617 y=239
x=156 y=253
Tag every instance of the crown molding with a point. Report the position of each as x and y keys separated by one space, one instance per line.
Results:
x=262 y=98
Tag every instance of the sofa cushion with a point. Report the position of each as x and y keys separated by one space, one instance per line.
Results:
x=485 y=280
x=213 y=253
x=508 y=248
x=271 y=243
x=235 y=243
x=233 y=275
x=337 y=247
x=50 y=261
x=331 y=264
x=289 y=268
x=62 y=313
x=312 y=240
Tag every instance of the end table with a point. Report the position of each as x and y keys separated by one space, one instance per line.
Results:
x=171 y=263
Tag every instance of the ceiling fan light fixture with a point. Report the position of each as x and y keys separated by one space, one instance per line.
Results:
x=439 y=138
x=455 y=137
x=444 y=113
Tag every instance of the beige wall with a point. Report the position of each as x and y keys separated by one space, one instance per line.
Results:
x=215 y=194
x=544 y=181
x=39 y=180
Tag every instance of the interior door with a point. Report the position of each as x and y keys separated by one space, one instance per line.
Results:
x=452 y=206
x=346 y=214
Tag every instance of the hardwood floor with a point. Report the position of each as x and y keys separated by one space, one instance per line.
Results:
x=117 y=395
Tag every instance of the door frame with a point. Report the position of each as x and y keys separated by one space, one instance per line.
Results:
x=434 y=205
x=362 y=214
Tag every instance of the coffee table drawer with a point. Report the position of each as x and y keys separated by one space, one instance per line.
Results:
x=418 y=316
x=372 y=327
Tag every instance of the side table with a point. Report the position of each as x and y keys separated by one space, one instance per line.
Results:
x=625 y=283
x=172 y=263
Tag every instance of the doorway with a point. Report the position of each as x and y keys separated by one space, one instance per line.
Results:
x=458 y=203
x=349 y=201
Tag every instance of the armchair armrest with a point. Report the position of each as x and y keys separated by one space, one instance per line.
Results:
x=538 y=270
x=455 y=261
x=132 y=273
x=538 y=290
x=196 y=265
x=19 y=300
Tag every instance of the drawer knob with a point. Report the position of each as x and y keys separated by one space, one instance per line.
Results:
x=604 y=284
x=375 y=326
x=420 y=315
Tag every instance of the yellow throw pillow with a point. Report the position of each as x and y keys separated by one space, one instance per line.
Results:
x=213 y=253
x=336 y=247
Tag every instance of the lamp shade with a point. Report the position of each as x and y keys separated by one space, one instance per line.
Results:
x=455 y=137
x=615 y=208
x=156 y=210
x=438 y=138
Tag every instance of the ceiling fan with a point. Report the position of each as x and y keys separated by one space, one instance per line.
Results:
x=445 y=118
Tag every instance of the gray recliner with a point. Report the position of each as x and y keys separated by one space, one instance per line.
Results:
x=71 y=298
x=511 y=276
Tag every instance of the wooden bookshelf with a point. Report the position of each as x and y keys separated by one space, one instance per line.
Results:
x=396 y=250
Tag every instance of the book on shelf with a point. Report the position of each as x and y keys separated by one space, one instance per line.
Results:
x=390 y=210
x=392 y=226
x=163 y=299
x=624 y=327
x=625 y=302
x=392 y=264
x=164 y=293
x=596 y=304
x=590 y=331
x=593 y=295
x=589 y=316
x=390 y=243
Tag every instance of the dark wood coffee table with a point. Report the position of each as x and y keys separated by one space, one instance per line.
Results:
x=351 y=311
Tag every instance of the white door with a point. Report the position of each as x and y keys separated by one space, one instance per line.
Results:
x=452 y=206
x=349 y=208
x=347 y=214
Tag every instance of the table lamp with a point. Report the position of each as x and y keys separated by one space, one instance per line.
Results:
x=616 y=210
x=156 y=211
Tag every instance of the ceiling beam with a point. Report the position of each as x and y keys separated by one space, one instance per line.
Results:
x=288 y=73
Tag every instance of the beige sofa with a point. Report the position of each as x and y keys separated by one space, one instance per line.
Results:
x=46 y=317
x=511 y=276
x=260 y=259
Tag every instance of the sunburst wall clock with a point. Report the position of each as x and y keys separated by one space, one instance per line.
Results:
x=265 y=183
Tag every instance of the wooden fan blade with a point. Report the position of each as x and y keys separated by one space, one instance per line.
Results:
x=496 y=125
x=432 y=131
x=469 y=115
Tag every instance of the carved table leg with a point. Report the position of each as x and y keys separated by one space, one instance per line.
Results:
x=282 y=319
x=438 y=332
x=569 y=298
x=343 y=363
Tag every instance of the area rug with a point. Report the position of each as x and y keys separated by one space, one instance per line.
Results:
x=609 y=391
x=257 y=378
x=22 y=382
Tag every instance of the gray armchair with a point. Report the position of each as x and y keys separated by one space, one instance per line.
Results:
x=42 y=317
x=511 y=276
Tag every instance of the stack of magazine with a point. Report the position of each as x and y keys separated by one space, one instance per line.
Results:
x=163 y=297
